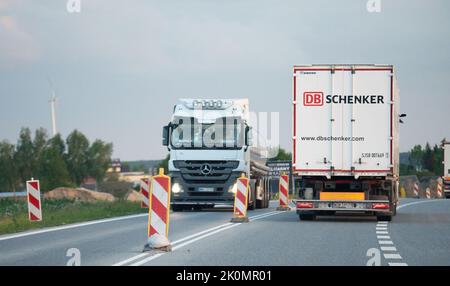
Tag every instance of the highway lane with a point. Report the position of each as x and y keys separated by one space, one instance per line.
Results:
x=422 y=232
x=417 y=236
x=104 y=243
x=342 y=240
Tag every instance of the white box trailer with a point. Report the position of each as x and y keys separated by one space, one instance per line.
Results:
x=345 y=138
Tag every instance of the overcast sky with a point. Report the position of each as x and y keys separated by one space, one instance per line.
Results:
x=118 y=67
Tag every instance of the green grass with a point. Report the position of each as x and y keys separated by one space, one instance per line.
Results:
x=14 y=214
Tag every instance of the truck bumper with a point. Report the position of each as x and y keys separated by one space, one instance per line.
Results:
x=203 y=193
x=365 y=206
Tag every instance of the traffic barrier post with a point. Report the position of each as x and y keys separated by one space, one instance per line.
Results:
x=159 y=213
x=428 y=193
x=416 y=190
x=145 y=193
x=241 y=200
x=440 y=194
x=283 y=193
x=34 y=200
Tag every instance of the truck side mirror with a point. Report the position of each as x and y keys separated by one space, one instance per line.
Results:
x=248 y=136
x=165 y=136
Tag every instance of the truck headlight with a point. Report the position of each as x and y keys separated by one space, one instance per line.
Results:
x=177 y=188
x=233 y=188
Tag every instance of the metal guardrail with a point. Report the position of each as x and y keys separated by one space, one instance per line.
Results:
x=12 y=195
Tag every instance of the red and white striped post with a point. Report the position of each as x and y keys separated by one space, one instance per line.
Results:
x=416 y=190
x=440 y=194
x=241 y=200
x=428 y=193
x=34 y=200
x=145 y=193
x=159 y=213
x=283 y=187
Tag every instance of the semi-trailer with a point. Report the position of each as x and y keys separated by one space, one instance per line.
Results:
x=345 y=140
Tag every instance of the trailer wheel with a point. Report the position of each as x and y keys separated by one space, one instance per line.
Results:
x=252 y=206
x=394 y=209
x=384 y=218
x=307 y=217
x=177 y=208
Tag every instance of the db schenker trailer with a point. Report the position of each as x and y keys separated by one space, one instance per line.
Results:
x=345 y=140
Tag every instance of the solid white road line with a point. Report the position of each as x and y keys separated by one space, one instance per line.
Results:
x=58 y=228
x=146 y=260
x=173 y=243
x=392 y=256
x=197 y=238
x=213 y=229
x=419 y=202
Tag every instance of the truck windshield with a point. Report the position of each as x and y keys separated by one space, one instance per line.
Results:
x=225 y=133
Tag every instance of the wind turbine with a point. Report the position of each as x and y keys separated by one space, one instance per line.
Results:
x=53 y=108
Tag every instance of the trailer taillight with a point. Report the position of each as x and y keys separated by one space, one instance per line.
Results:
x=305 y=205
x=380 y=206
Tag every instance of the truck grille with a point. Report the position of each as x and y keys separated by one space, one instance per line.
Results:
x=208 y=172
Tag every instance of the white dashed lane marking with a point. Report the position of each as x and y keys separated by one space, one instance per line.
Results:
x=390 y=252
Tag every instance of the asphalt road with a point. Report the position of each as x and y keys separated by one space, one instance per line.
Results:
x=418 y=235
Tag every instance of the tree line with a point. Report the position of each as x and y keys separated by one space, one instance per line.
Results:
x=54 y=161
x=424 y=161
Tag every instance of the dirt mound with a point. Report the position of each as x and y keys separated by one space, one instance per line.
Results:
x=133 y=196
x=82 y=195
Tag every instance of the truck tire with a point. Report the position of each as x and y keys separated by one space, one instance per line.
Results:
x=394 y=209
x=260 y=203
x=384 y=218
x=307 y=217
x=176 y=208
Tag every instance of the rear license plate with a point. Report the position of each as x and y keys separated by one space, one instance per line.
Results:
x=206 y=189
x=343 y=205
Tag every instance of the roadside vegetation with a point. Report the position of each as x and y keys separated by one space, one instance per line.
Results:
x=424 y=161
x=54 y=161
x=14 y=214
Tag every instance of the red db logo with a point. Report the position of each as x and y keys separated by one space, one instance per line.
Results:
x=313 y=98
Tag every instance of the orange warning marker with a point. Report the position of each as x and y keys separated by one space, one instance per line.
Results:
x=159 y=213
x=145 y=193
x=241 y=200
x=283 y=187
x=34 y=200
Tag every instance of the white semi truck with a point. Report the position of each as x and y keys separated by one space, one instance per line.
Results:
x=210 y=145
x=345 y=139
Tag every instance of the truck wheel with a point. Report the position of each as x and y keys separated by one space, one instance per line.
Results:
x=307 y=217
x=252 y=206
x=176 y=208
x=384 y=218
x=260 y=204
x=394 y=209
